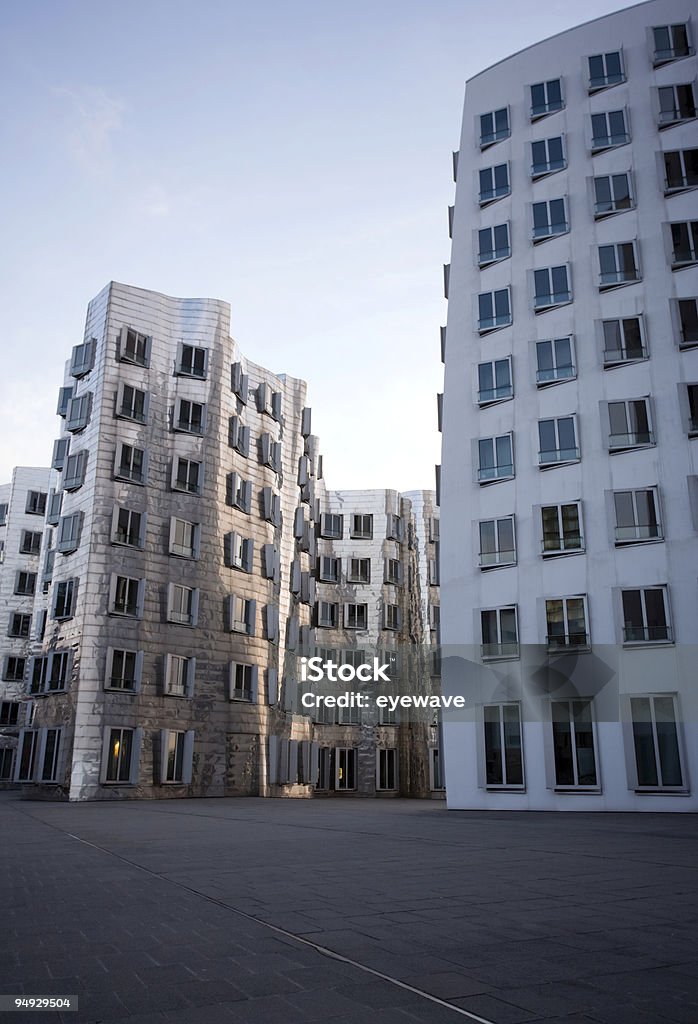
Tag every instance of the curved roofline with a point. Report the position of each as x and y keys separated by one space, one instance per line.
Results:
x=556 y=35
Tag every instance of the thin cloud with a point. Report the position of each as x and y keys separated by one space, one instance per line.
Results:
x=94 y=117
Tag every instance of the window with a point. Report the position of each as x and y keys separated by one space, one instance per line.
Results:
x=25 y=768
x=130 y=463
x=241 y=615
x=238 y=492
x=646 y=616
x=37 y=674
x=637 y=515
x=656 y=742
x=612 y=194
x=30 y=543
x=327 y=614
x=558 y=441
x=623 y=341
x=182 y=604
x=496 y=460
x=75 y=470
x=500 y=635
x=503 y=746
x=25 y=584
x=687 y=310
x=684 y=240
x=547 y=156
x=386 y=768
x=238 y=382
x=605 y=70
x=243 y=681
x=49 y=563
x=494 y=381
x=55 y=501
x=562 y=530
x=64 y=396
x=239 y=552
x=494 y=183
x=692 y=399
x=630 y=424
x=187 y=475
x=554 y=361
x=494 y=310
x=573 y=744
x=549 y=219
x=192 y=361
x=78 y=413
x=494 y=126
x=676 y=103
x=361 y=527
x=120 y=756
x=393 y=571
x=131 y=403
x=395 y=527
x=49 y=750
x=123 y=671
x=436 y=774
x=618 y=264
x=20 y=625
x=9 y=712
x=608 y=130
x=359 y=570
x=3 y=514
x=189 y=417
x=356 y=616
x=58 y=672
x=128 y=527
x=671 y=43
x=497 y=545
x=6 y=763
x=329 y=569
x=83 y=359
x=133 y=347
x=551 y=287
x=269 y=401
x=493 y=244
x=176 y=753
x=69 y=531
x=392 y=618
x=546 y=98
x=180 y=673
x=36 y=503
x=680 y=170
x=41 y=619
x=60 y=452
x=185 y=538
x=126 y=596
x=239 y=436
x=271 y=506
x=566 y=620
x=64 y=598
x=271 y=562
x=14 y=669
x=331 y=526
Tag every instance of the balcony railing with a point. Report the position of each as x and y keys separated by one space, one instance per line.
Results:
x=684 y=257
x=647 y=634
x=495 y=394
x=501 y=650
x=680 y=182
x=609 y=278
x=612 y=357
x=557 y=456
x=488 y=323
x=493 y=255
x=555 y=373
x=609 y=141
x=547 y=167
x=567 y=641
x=488 y=194
x=489 y=138
x=557 y=545
x=608 y=206
x=493 y=558
x=549 y=231
x=553 y=299
x=675 y=115
x=495 y=473
x=541 y=109
x=638 y=532
x=672 y=53
x=633 y=439
x=604 y=81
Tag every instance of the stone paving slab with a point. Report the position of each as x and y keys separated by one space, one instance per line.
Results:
x=188 y=911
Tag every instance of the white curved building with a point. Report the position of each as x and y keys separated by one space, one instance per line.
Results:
x=569 y=478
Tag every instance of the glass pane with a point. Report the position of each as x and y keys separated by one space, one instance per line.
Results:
x=621 y=191
x=546 y=433
x=501 y=237
x=507 y=624
x=540 y=217
x=542 y=284
x=493 y=747
x=488 y=622
x=639 y=418
x=576 y=620
x=504 y=460
x=501 y=303
x=551 y=528
x=554 y=93
x=501 y=176
x=566 y=435
x=544 y=355
x=618 y=418
x=643 y=736
x=584 y=743
x=667 y=742
x=538 y=96
x=485 y=306
x=607 y=259
x=616 y=123
x=562 y=744
x=625 y=512
x=486 y=450
x=563 y=353
x=505 y=529
x=632 y=615
x=488 y=537
x=560 y=286
x=613 y=68
x=656 y=613
x=502 y=372
x=555 y=154
x=539 y=154
x=602 y=191
x=555 y=618
x=570 y=526
x=485 y=379
x=512 y=745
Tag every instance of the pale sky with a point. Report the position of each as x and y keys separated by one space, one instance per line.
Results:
x=291 y=158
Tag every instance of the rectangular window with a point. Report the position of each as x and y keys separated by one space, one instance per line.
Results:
x=328 y=614
x=179 y=675
x=608 y=130
x=692 y=397
x=573 y=744
x=359 y=570
x=128 y=527
x=123 y=670
x=60 y=453
x=134 y=347
x=331 y=526
x=182 y=604
x=271 y=506
x=637 y=516
x=55 y=502
x=618 y=264
x=546 y=98
x=130 y=463
x=547 y=156
x=496 y=461
x=64 y=396
x=494 y=310
x=386 y=769
x=549 y=219
x=681 y=170
x=14 y=669
x=361 y=527
x=239 y=552
x=493 y=244
x=494 y=381
x=189 y=417
x=684 y=242
x=176 y=750
x=75 y=470
x=9 y=712
x=630 y=424
x=239 y=436
x=187 y=475
x=36 y=503
x=356 y=616
x=69 y=531
x=500 y=634
x=242 y=681
x=562 y=531
x=242 y=613
x=119 y=752
x=605 y=70
x=38 y=671
x=58 y=671
x=20 y=625
x=503 y=746
x=238 y=492
x=78 y=413
x=554 y=361
x=623 y=341
x=238 y=382
x=558 y=441
x=192 y=361
x=3 y=514
x=612 y=194
x=687 y=310
x=185 y=538
x=131 y=403
x=126 y=596
x=64 y=597
x=27 y=755
x=25 y=584
x=566 y=620
x=395 y=527
x=329 y=569
x=83 y=359
x=494 y=126
x=656 y=742
x=494 y=183
x=671 y=43
x=676 y=103
x=345 y=768
x=552 y=287
x=646 y=616
x=6 y=763
x=392 y=618
x=30 y=543
x=497 y=546
x=436 y=772
x=393 y=571
x=50 y=745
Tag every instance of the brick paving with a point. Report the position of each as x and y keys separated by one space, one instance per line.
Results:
x=193 y=911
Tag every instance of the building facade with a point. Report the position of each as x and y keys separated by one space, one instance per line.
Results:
x=569 y=476
x=182 y=556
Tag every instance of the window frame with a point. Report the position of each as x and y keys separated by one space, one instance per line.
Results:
x=499 y=555
x=497 y=477
x=500 y=650
x=646 y=640
x=109 y=676
x=503 y=749
x=552 y=640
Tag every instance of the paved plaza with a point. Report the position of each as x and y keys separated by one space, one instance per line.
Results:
x=350 y=911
